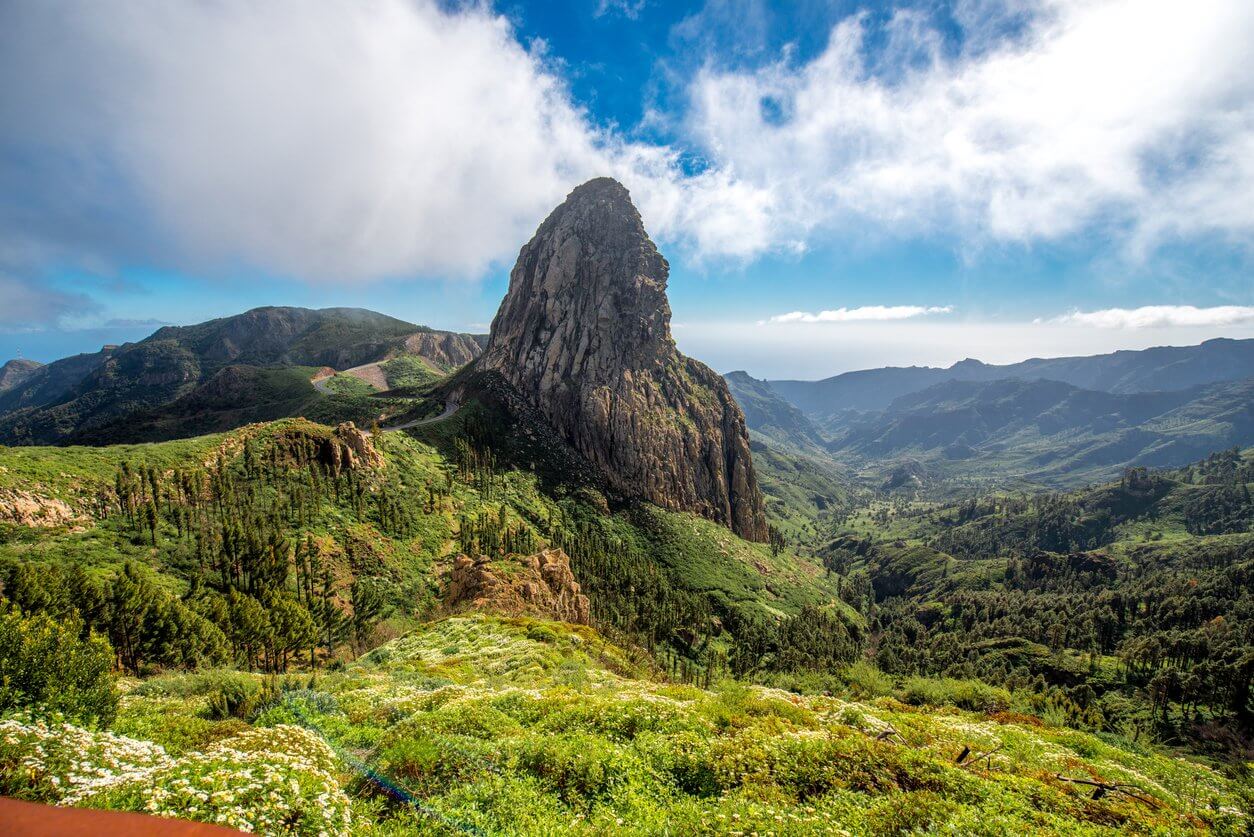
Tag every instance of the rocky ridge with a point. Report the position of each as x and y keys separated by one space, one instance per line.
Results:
x=584 y=335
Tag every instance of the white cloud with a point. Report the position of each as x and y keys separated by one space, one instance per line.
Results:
x=867 y=313
x=358 y=139
x=629 y=9
x=1159 y=316
x=1139 y=112
x=340 y=140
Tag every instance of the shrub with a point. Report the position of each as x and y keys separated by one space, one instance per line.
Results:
x=266 y=781
x=866 y=681
x=47 y=665
x=965 y=694
x=430 y=763
x=581 y=768
x=241 y=698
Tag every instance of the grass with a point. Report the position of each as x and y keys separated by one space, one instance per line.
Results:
x=408 y=372
x=349 y=385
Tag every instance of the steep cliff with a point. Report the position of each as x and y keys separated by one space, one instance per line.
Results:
x=584 y=335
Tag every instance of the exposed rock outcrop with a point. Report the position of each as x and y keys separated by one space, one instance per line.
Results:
x=299 y=443
x=27 y=509
x=584 y=336
x=531 y=585
x=351 y=449
x=445 y=350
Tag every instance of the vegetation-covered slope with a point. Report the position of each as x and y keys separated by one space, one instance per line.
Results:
x=770 y=416
x=1124 y=608
x=1049 y=432
x=491 y=726
x=1058 y=640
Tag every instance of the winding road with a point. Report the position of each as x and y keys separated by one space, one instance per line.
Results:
x=450 y=407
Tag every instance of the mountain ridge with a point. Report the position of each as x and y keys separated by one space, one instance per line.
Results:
x=83 y=395
x=1053 y=431
x=1161 y=368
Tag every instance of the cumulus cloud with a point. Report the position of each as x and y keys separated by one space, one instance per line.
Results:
x=1159 y=316
x=867 y=313
x=1134 y=114
x=336 y=141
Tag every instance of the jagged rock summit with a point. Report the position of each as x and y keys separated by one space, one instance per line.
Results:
x=584 y=335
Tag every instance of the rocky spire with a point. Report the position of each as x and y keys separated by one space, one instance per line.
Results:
x=584 y=335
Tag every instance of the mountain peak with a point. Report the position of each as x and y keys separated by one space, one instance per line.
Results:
x=584 y=335
x=15 y=371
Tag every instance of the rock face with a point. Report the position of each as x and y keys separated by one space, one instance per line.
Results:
x=446 y=350
x=540 y=585
x=584 y=335
x=350 y=449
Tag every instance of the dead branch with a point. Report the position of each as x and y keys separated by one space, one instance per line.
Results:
x=1103 y=788
x=987 y=757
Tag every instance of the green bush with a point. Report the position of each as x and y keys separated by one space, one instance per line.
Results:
x=46 y=665
x=866 y=681
x=965 y=694
x=579 y=767
x=240 y=698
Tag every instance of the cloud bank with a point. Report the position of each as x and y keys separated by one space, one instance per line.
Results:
x=1160 y=316
x=867 y=313
x=1129 y=113
x=359 y=139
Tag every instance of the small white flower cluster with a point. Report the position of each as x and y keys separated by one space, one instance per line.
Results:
x=69 y=763
x=266 y=781
x=251 y=790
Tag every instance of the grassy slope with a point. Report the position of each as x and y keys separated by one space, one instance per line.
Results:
x=525 y=727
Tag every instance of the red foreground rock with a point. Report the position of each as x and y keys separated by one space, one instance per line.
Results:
x=30 y=819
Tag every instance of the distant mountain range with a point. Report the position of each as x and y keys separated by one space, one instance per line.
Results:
x=1055 y=421
x=246 y=367
x=1165 y=368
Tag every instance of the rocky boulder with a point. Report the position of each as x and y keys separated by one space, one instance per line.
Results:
x=530 y=585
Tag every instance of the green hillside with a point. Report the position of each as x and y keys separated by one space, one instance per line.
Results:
x=492 y=726
x=275 y=598
x=1124 y=607
x=256 y=366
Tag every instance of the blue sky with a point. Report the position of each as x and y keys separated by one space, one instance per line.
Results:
x=836 y=184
